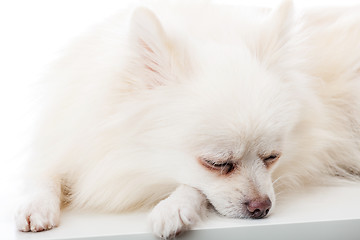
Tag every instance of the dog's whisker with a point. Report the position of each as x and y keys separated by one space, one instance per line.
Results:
x=277 y=179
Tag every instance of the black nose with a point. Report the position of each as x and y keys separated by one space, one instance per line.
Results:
x=258 y=208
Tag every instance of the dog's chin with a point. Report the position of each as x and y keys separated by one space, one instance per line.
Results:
x=234 y=214
x=231 y=211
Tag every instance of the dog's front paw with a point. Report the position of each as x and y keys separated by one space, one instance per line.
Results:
x=169 y=218
x=177 y=213
x=38 y=215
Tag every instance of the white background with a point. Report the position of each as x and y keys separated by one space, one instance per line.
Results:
x=32 y=33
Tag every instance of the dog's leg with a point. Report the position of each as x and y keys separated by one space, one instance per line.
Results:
x=40 y=209
x=181 y=210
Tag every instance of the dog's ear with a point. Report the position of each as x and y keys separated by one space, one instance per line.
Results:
x=151 y=57
x=275 y=32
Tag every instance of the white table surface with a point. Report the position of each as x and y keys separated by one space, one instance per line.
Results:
x=315 y=213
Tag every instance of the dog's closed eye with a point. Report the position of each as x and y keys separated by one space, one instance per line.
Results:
x=221 y=167
x=271 y=158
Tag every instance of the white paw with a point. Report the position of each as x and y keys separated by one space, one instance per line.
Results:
x=177 y=213
x=169 y=218
x=38 y=215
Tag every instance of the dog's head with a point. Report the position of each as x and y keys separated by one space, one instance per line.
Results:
x=240 y=127
x=233 y=106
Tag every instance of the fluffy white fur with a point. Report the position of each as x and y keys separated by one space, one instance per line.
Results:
x=136 y=104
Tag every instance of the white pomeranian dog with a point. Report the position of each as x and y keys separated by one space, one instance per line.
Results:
x=183 y=107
